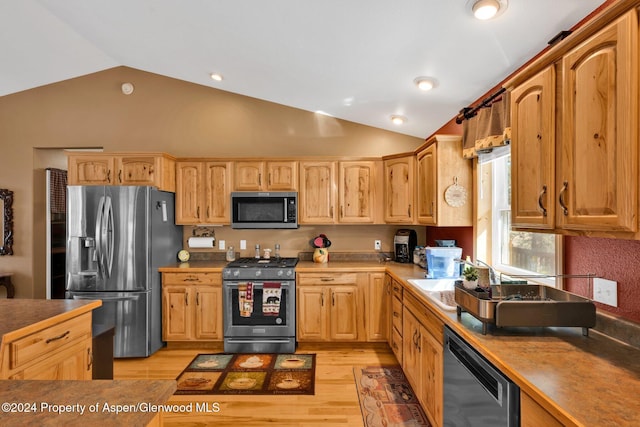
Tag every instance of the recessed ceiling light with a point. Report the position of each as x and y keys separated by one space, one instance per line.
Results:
x=487 y=9
x=217 y=77
x=425 y=83
x=398 y=120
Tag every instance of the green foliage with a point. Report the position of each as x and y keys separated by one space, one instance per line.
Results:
x=470 y=273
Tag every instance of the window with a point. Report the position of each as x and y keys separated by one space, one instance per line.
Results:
x=515 y=253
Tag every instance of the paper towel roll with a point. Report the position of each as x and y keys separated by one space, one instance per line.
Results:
x=201 y=242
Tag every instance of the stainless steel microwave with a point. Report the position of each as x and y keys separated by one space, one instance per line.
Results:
x=264 y=209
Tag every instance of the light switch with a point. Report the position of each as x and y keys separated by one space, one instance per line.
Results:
x=243 y=245
x=221 y=245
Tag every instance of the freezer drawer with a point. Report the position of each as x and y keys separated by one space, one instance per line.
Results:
x=129 y=313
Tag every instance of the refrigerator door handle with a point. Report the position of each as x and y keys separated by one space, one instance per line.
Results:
x=95 y=297
x=108 y=237
x=98 y=236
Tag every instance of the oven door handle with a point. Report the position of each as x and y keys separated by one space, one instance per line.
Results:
x=238 y=341
x=234 y=285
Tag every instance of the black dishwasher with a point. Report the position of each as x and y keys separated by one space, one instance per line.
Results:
x=476 y=394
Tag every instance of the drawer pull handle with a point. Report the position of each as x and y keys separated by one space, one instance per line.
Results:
x=59 y=337
x=327 y=279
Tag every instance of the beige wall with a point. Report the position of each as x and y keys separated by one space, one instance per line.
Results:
x=163 y=114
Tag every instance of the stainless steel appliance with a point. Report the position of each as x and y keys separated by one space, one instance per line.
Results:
x=259 y=300
x=117 y=237
x=525 y=305
x=266 y=209
x=404 y=243
x=475 y=392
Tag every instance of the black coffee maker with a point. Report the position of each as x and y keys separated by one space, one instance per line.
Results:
x=404 y=243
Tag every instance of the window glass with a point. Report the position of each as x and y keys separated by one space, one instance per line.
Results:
x=515 y=253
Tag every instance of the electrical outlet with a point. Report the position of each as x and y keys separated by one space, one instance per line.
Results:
x=243 y=245
x=377 y=245
x=605 y=291
x=221 y=245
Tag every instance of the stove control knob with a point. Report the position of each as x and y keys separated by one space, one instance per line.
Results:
x=289 y=272
x=280 y=272
x=236 y=273
x=258 y=273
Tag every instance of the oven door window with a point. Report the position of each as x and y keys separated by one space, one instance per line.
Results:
x=258 y=316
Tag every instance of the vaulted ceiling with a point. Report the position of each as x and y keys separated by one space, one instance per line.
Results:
x=352 y=59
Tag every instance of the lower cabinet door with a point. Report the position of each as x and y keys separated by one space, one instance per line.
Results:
x=208 y=313
x=74 y=363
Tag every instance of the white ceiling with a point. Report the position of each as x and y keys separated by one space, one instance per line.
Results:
x=353 y=59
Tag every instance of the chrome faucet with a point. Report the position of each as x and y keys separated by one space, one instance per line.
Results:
x=493 y=278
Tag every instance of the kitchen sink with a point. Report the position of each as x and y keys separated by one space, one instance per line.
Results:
x=439 y=291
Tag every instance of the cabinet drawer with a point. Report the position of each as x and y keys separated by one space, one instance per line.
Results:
x=425 y=316
x=396 y=314
x=397 y=289
x=327 y=279
x=43 y=342
x=396 y=344
x=191 y=278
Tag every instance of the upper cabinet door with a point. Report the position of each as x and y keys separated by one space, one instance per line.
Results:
x=248 y=176
x=189 y=193
x=532 y=152
x=317 y=196
x=282 y=176
x=427 y=184
x=91 y=170
x=217 y=192
x=398 y=194
x=598 y=184
x=357 y=191
x=137 y=170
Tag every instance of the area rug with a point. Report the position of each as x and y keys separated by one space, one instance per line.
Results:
x=386 y=398
x=223 y=373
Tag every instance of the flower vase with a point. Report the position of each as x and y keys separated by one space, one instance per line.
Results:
x=321 y=255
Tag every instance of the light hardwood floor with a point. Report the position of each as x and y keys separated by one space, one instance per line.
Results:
x=335 y=402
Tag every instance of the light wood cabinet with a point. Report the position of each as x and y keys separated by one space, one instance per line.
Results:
x=532 y=152
x=377 y=300
x=339 y=192
x=329 y=307
x=61 y=351
x=395 y=324
x=440 y=165
x=203 y=192
x=357 y=192
x=423 y=356
x=191 y=307
x=534 y=415
x=153 y=169
x=399 y=193
x=273 y=175
x=599 y=157
x=317 y=197
x=575 y=136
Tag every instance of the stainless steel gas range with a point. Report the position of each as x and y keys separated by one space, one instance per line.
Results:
x=259 y=305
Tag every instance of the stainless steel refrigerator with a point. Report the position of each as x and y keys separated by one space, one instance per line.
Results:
x=117 y=237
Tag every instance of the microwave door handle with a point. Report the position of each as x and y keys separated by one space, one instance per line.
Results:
x=285 y=209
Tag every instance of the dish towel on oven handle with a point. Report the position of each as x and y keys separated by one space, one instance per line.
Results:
x=245 y=299
x=271 y=295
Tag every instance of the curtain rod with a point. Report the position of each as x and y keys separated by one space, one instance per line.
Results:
x=468 y=112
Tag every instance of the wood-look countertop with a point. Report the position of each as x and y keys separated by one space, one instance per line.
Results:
x=103 y=402
x=584 y=381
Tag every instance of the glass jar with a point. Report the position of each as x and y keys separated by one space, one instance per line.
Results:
x=231 y=254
